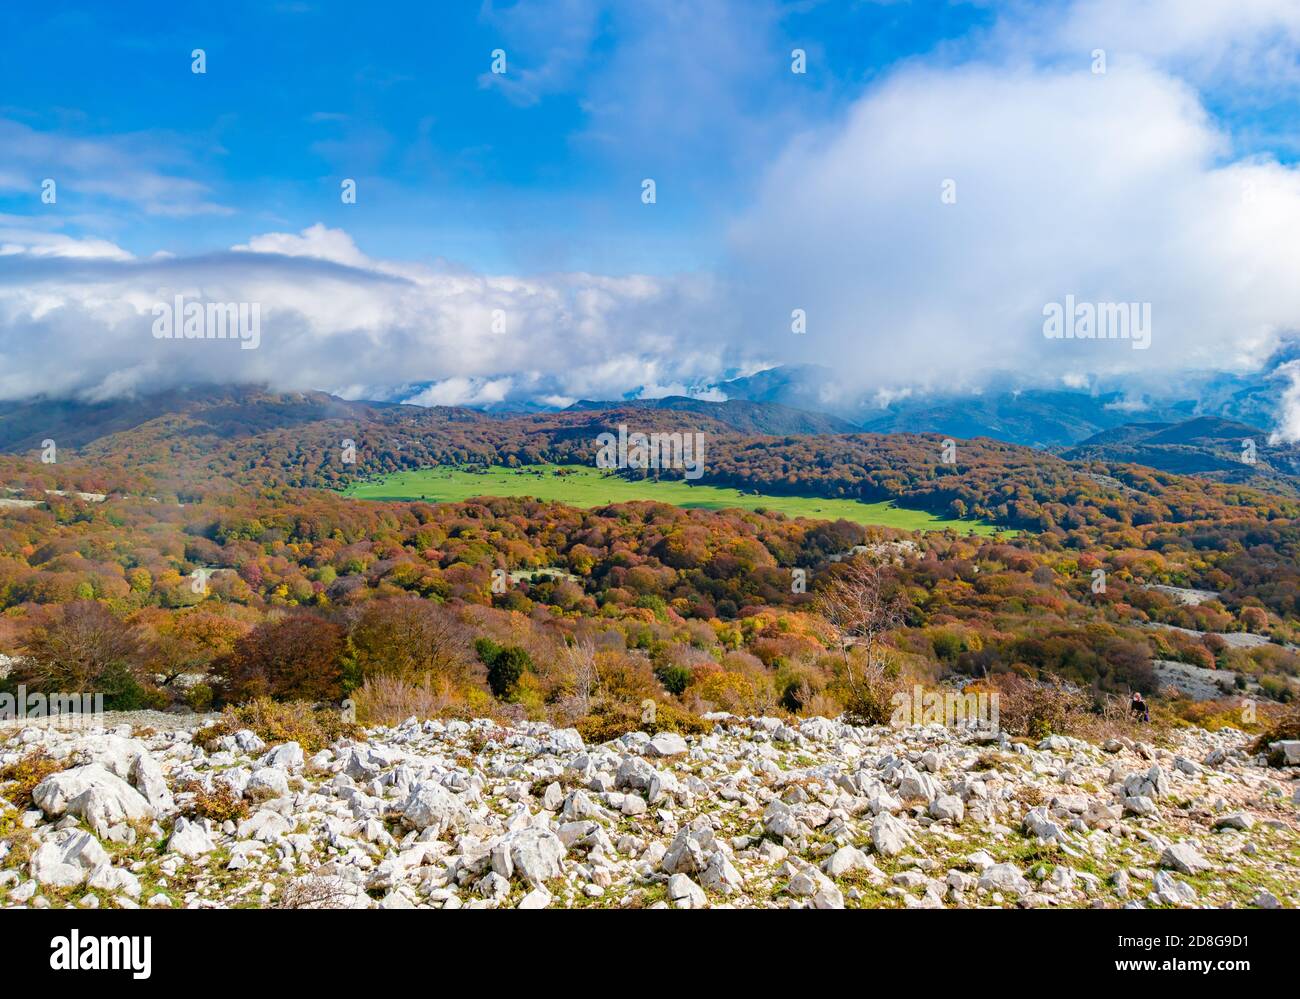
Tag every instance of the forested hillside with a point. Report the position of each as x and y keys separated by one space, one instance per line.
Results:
x=221 y=566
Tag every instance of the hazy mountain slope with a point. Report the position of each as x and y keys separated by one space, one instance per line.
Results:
x=1207 y=447
x=739 y=414
x=237 y=410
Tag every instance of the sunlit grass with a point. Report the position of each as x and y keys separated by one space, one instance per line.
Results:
x=591 y=487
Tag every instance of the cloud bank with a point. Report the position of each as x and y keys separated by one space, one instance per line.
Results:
x=1112 y=188
x=80 y=323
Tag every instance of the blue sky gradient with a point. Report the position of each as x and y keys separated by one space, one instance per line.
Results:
x=298 y=96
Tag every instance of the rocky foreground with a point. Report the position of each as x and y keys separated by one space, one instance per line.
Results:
x=757 y=814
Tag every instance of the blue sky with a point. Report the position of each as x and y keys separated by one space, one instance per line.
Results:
x=1167 y=175
x=299 y=95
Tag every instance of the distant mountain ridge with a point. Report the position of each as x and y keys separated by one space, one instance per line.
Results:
x=1031 y=415
x=1200 y=434
x=1205 y=446
x=740 y=414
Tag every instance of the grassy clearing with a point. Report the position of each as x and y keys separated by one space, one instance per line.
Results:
x=590 y=487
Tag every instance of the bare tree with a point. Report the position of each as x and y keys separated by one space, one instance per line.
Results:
x=861 y=602
x=580 y=659
x=319 y=892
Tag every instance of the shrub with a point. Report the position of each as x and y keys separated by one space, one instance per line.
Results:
x=199 y=697
x=1213 y=715
x=674 y=677
x=81 y=647
x=867 y=692
x=1285 y=726
x=408 y=638
x=389 y=700
x=610 y=719
x=505 y=667
x=274 y=722
x=948 y=645
x=1036 y=710
x=315 y=892
x=626 y=678
x=24 y=774
x=1254 y=619
x=725 y=690
x=799 y=685
x=220 y=804
x=123 y=690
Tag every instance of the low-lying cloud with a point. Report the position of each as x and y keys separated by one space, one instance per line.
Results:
x=332 y=318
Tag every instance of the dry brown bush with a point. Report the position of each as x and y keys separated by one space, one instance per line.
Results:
x=390 y=700
x=220 y=804
x=274 y=722
x=24 y=774
x=1285 y=726
x=1036 y=709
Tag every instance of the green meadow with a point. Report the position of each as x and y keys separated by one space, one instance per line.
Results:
x=589 y=487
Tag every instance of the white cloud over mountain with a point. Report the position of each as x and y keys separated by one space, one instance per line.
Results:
x=1118 y=187
x=1111 y=188
x=333 y=318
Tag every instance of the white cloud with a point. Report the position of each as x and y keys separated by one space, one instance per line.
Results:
x=315 y=241
x=463 y=392
x=1111 y=188
x=47 y=244
x=334 y=319
x=1245 y=40
x=1116 y=187
x=148 y=172
x=1288 y=429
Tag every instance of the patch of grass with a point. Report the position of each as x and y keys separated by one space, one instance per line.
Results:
x=1236 y=887
x=22 y=842
x=995 y=760
x=872 y=894
x=582 y=486
x=650 y=895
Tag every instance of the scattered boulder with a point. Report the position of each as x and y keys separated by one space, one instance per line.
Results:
x=1185 y=858
x=1005 y=878
x=889 y=836
x=1236 y=820
x=667 y=744
x=685 y=893
x=66 y=858
x=430 y=806
x=93 y=793
x=189 y=839
x=759 y=811
x=536 y=855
